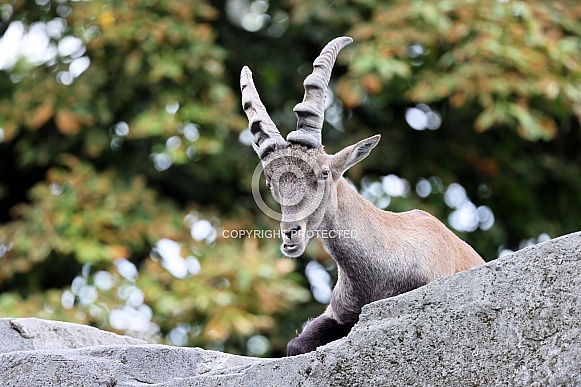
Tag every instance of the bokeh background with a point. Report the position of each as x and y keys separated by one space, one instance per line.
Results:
x=124 y=151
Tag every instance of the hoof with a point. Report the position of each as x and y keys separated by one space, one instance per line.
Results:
x=297 y=347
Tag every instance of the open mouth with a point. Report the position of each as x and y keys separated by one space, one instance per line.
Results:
x=290 y=247
x=292 y=250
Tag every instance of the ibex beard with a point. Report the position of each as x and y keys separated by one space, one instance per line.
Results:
x=393 y=252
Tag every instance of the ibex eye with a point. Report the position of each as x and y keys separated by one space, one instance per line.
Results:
x=268 y=184
x=325 y=174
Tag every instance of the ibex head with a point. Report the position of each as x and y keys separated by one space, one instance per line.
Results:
x=301 y=176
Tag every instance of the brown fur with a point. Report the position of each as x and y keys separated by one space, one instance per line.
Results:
x=392 y=253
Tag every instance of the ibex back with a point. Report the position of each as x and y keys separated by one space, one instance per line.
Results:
x=379 y=254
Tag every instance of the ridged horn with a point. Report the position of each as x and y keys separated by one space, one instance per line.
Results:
x=310 y=112
x=266 y=135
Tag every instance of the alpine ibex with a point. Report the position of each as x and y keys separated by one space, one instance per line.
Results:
x=379 y=254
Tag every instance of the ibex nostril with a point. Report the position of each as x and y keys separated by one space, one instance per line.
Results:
x=292 y=232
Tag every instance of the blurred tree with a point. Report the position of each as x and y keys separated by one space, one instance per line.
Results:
x=124 y=155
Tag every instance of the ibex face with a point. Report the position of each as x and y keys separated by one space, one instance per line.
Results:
x=301 y=176
x=304 y=181
x=298 y=178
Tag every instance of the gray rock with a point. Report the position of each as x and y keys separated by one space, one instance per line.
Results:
x=512 y=322
x=112 y=365
x=27 y=334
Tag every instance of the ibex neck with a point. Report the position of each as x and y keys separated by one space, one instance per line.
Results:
x=353 y=226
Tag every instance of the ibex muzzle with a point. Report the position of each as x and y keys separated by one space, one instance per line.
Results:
x=293 y=238
x=379 y=254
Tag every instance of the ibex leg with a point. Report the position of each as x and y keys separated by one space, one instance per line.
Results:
x=320 y=331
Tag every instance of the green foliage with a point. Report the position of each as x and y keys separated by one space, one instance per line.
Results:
x=121 y=164
x=518 y=62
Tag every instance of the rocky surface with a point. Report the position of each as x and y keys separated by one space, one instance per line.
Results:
x=28 y=334
x=512 y=322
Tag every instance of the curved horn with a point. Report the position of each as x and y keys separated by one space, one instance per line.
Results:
x=266 y=135
x=310 y=112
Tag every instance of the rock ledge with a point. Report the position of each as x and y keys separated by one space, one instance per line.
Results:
x=512 y=322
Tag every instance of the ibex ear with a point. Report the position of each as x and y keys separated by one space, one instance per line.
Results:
x=347 y=157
